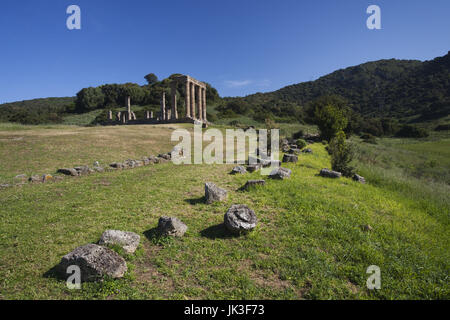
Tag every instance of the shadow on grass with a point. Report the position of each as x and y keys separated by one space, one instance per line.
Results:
x=217 y=232
x=55 y=273
x=195 y=201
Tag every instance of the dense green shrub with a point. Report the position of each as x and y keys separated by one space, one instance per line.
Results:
x=300 y=143
x=341 y=155
x=442 y=127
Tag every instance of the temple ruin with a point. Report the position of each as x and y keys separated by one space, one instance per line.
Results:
x=195 y=106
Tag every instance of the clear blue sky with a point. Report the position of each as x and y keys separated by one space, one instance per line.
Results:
x=239 y=46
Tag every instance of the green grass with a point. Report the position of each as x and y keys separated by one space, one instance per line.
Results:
x=308 y=244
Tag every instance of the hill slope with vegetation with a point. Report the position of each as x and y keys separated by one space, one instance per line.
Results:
x=407 y=90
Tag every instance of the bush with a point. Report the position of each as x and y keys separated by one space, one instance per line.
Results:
x=409 y=131
x=301 y=143
x=341 y=155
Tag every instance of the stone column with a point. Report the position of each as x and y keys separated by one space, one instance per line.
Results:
x=188 y=99
x=147 y=114
x=193 y=101
x=204 y=103
x=174 y=113
x=200 y=103
x=163 y=107
x=151 y=114
x=110 y=115
x=128 y=102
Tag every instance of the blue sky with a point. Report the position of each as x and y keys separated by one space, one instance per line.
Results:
x=239 y=46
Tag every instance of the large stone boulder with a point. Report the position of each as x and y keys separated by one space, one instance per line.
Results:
x=239 y=169
x=280 y=173
x=240 y=218
x=290 y=158
x=329 y=173
x=253 y=183
x=169 y=226
x=129 y=241
x=214 y=193
x=253 y=167
x=68 y=171
x=359 y=178
x=95 y=262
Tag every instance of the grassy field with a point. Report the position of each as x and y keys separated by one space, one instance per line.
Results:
x=309 y=243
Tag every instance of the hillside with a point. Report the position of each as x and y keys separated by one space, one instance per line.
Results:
x=385 y=88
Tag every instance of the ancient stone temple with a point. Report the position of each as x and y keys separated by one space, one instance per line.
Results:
x=195 y=103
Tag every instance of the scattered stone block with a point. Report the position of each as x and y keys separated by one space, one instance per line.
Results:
x=68 y=172
x=367 y=228
x=213 y=193
x=116 y=165
x=129 y=241
x=294 y=151
x=95 y=262
x=240 y=218
x=99 y=169
x=290 y=158
x=307 y=150
x=280 y=173
x=253 y=167
x=21 y=177
x=238 y=169
x=330 y=173
x=47 y=177
x=359 y=178
x=253 y=183
x=82 y=170
x=169 y=226
x=35 y=178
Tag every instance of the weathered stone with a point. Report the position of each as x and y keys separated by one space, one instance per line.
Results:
x=95 y=262
x=5 y=185
x=214 y=193
x=116 y=165
x=280 y=173
x=253 y=167
x=169 y=226
x=82 y=170
x=153 y=159
x=240 y=218
x=271 y=163
x=359 y=178
x=35 y=178
x=285 y=148
x=139 y=163
x=253 y=183
x=145 y=161
x=239 y=169
x=294 y=151
x=367 y=228
x=330 y=173
x=68 y=172
x=166 y=156
x=129 y=241
x=307 y=150
x=290 y=158
x=96 y=164
x=47 y=177
x=99 y=169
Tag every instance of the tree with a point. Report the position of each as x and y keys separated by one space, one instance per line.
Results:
x=89 y=99
x=151 y=78
x=341 y=155
x=330 y=115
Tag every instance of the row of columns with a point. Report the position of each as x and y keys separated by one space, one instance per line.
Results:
x=195 y=101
